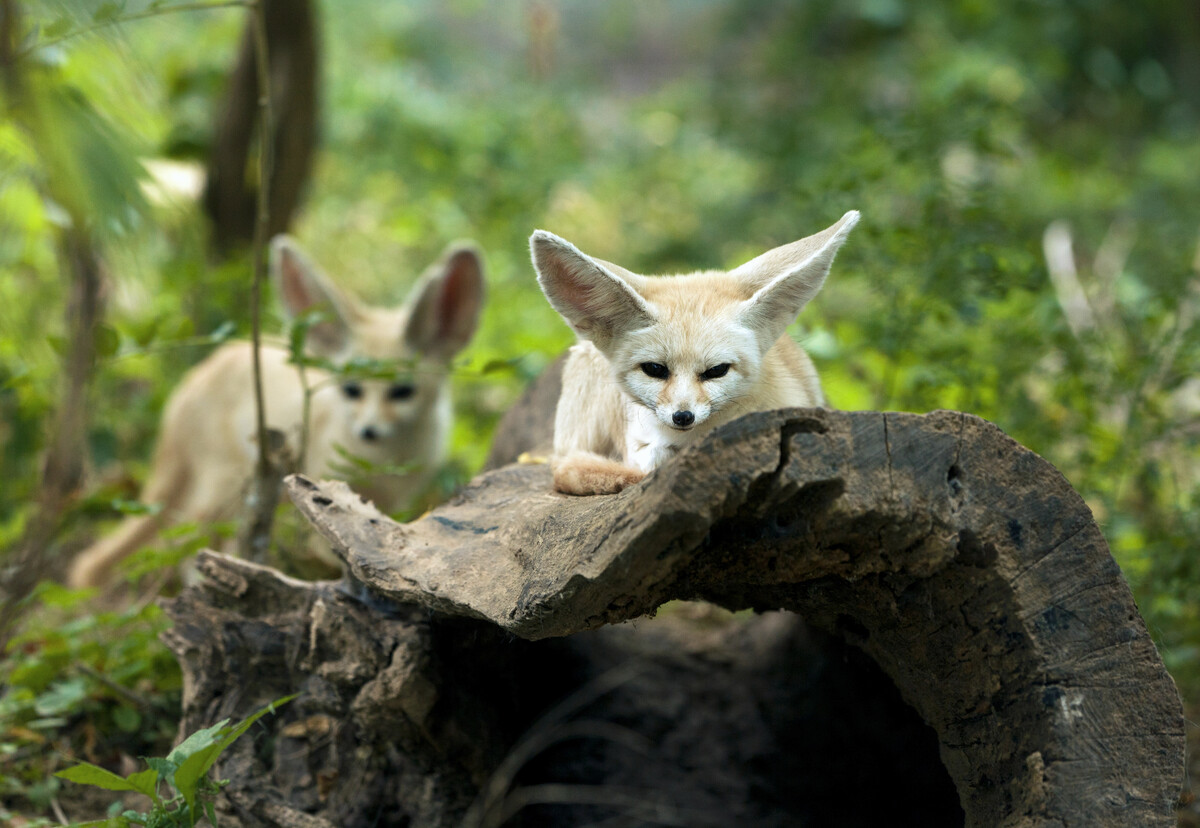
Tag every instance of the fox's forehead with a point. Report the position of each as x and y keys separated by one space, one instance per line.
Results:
x=379 y=334
x=698 y=321
x=709 y=293
x=689 y=337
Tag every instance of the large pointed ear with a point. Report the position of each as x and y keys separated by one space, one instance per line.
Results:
x=596 y=302
x=303 y=288
x=446 y=304
x=785 y=279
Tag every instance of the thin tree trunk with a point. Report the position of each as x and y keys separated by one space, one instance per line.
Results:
x=229 y=198
x=63 y=468
x=254 y=534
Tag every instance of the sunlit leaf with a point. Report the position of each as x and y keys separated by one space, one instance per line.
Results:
x=496 y=366
x=57 y=28
x=107 y=11
x=108 y=341
x=86 y=773
x=92 y=169
x=197 y=741
x=196 y=763
x=143 y=332
x=223 y=332
x=134 y=507
x=63 y=697
x=298 y=332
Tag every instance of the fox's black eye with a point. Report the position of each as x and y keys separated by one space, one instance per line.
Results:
x=352 y=390
x=400 y=391
x=656 y=370
x=716 y=372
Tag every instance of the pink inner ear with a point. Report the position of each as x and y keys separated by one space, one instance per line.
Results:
x=296 y=295
x=456 y=300
x=576 y=291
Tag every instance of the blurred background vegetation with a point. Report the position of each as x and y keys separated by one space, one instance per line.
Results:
x=666 y=135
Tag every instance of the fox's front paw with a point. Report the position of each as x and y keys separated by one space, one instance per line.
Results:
x=584 y=473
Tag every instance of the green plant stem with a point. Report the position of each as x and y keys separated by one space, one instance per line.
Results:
x=305 y=414
x=255 y=537
x=262 y=67
x=130 y=696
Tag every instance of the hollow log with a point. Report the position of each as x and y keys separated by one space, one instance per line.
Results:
x=969 y=652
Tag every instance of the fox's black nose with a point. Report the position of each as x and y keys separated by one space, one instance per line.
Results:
x=683 y=419
x=370 y=434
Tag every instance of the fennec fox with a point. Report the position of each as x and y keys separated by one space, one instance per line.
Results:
x=207 y=449
x=662 y=361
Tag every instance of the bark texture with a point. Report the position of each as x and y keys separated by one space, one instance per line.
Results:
x=962 y=566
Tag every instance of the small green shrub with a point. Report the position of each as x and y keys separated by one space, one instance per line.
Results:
x=183 y=773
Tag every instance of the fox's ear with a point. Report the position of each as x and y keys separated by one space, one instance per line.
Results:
x=445 y=310
x=596 y=302
x=783 y=280
x=303 y=288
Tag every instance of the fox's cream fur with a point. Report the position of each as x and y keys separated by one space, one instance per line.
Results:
x=207 y=449
x=662 y=361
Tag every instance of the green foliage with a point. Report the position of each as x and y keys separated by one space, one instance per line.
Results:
x=184 y=772
x=664 y=136
x=73 y=677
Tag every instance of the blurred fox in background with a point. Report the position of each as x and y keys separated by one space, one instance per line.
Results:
x=395 y=417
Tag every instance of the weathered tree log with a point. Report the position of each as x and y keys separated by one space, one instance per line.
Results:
x=960 y=563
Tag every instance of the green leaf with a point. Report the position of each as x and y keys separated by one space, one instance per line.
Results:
x=296 y=335
x=163 y=768
x=196 y=765
x=134 y=507
x=298 y=332
x=198 y=741
x=352 y=461
x=63 y=696
x=108 y=341
x=494 y=366
x=127 y=719
x=107 y=12
x=180 y=327
x=225 y=330
x=93 y=170
x=145 y=782
x=52 y=595
x=143 y=332
x=58 y=28
x=89 y=774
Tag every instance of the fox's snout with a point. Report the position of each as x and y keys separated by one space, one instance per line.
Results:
x=683 y=415
x=375 y=411
x=682 y=402
x=371 y=433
